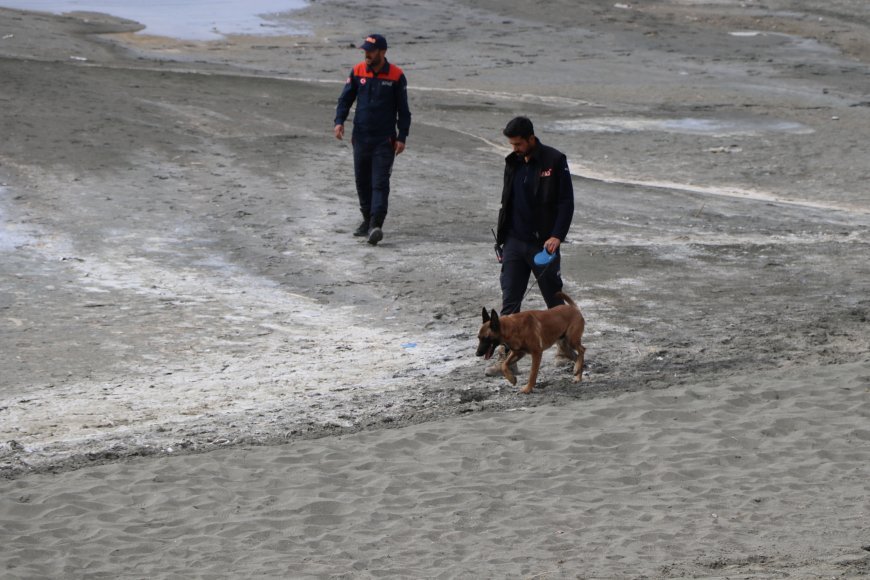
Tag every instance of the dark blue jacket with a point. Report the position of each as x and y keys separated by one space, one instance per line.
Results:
x=381 y=103
x=552 y=194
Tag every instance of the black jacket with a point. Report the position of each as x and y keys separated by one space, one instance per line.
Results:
x=553 y=193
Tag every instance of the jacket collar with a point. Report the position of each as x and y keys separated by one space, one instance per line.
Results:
x=384 y=69
x=513 y=158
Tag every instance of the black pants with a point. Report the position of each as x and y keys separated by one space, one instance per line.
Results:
x=373 y=165
x=517 y=266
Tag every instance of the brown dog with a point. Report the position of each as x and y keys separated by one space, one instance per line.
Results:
x=532 y=332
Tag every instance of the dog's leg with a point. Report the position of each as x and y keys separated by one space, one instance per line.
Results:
x=565 y=350
x=510 y=359
x=533 y=374
x=578 y=364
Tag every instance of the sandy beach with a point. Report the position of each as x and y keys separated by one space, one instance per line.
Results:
x=205 y=375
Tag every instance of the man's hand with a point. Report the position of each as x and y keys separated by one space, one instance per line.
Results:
x=339 y=132
x=398 y=147
x=552 y=244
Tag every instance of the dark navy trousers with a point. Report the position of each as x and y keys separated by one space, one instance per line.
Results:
x=372 y=166
x=517 y=266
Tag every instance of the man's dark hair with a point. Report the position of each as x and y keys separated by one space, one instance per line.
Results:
x=519 y=127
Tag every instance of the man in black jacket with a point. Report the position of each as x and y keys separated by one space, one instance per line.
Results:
x=537 y=205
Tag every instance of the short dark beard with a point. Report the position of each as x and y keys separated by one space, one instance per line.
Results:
x=376 y=66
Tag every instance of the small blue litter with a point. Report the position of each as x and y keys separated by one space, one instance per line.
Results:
x=544 y=257
x=409 y=345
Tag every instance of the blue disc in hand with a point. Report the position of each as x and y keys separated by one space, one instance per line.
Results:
x=544 y=257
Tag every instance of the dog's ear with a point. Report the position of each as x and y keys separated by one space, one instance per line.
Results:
x=485 y=315
x=493 y=323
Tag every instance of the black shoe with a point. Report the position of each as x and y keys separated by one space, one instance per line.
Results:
x=362 y=230
x=375 y=236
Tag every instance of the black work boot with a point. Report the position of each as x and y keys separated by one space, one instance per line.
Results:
x=363 y=228
x=376 y=234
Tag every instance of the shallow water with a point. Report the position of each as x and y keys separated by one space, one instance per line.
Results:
x=187 y=19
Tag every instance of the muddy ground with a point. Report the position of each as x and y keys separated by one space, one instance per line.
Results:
x=178 y=272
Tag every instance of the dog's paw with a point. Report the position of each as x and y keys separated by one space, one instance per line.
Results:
x=526 y=390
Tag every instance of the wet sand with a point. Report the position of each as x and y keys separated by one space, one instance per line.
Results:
x=203 y=369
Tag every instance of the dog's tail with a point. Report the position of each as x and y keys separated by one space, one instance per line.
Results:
x=566 y=298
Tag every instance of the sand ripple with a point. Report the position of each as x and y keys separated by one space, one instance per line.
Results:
x=757 y=475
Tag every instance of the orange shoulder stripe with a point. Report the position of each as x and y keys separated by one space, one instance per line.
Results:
x=395 y=73
x=361 y=70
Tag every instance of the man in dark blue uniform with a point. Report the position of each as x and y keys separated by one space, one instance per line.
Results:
x=537 y=206
x=380 y=128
